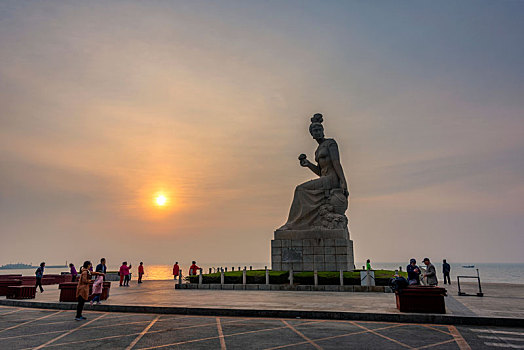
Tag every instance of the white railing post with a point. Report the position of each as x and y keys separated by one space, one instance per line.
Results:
x=267 y=276
x=315 y=277
x=200 y=278
x=180 y=277
x=341 y=277
x=244 y=276
x=291 y=276
x=222 y=277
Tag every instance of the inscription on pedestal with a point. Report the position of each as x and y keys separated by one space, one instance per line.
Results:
x=291 y=255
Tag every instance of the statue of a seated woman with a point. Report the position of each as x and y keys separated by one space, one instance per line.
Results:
x=320 y=203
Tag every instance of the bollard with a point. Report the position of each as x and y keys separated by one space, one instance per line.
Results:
x=267 y=276
x=180 y=277
x=244 y=276
x=239 y=268
x=341 y=277
x=291 y=276
x=250 y=268
x=222 y=277
x=209 y=270
x=315 y=277
x=233 y=268
x=226 y=268
x=200 y=277
x=400 y=268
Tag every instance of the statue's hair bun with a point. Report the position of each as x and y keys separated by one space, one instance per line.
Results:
x=317 y=118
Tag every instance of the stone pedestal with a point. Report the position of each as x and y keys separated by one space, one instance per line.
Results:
x=315 y=249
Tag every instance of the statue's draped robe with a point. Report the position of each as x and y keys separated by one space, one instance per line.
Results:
x=311 y=195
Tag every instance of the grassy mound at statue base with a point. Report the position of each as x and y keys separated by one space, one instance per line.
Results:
x=382 y=277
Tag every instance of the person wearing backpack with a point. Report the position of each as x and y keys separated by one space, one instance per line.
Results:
x=39 y=274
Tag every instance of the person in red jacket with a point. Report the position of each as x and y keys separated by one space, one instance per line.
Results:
x=193 y=269
x=124 y=274
x=176 y=270
x=140 y=272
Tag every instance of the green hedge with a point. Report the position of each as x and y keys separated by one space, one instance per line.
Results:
x=382 y=277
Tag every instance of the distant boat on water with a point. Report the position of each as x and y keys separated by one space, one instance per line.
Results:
x=16 y=266
x=468 y=266
x=21 y=266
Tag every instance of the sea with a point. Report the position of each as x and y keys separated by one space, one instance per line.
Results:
x=488 y=272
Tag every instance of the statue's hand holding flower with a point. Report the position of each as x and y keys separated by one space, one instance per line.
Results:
x=303 y=159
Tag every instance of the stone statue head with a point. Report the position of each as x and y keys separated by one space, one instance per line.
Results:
x=316 y=129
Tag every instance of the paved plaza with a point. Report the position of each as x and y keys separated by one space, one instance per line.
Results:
x=500 y=300
x=26 y=328
x=34 y=328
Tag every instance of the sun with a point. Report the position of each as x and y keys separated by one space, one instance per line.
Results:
x=161 y=200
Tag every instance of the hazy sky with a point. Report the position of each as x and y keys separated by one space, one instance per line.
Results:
x=105 y=104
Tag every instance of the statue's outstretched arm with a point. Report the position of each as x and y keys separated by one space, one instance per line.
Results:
x=335 y=158
x=314 y=168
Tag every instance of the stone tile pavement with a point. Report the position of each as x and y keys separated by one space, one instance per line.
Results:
x=26 y=328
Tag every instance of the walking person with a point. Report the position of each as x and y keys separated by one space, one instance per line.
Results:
x=98 y=285
x=140 y=272
x=193 y=270
x=446 y=269
x=39 y=274
x=74 y=273
x=82 y=288
x=431 y=272
x=176 y=270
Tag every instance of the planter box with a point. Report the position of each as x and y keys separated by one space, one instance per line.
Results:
x=28 y=280
x=4 y=284
x=8 y=277
x=57 y=279
x=423 y=299
x=21 y=292
x=68 y=291
x=46 y=281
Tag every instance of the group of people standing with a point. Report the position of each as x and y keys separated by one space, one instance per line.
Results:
x=193 y=270
x=125 y=274
x=82 y=288
x=414 y=272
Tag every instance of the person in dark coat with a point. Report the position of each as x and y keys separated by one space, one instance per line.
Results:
x=102 y=268
x=446 y=269
x=74 y=273
x=39 y=274
x=413 y=273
